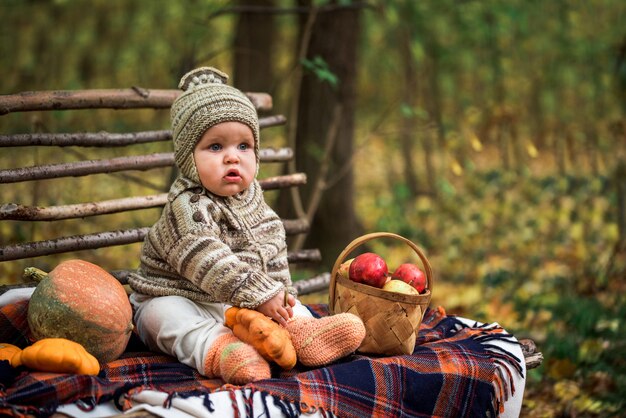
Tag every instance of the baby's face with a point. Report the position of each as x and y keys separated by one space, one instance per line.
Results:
x=225 y=158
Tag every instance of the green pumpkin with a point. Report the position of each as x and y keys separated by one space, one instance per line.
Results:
x=83 y=303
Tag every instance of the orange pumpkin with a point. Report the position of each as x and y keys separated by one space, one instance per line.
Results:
x=11 y=353
x=58 y=355
x=81 y=302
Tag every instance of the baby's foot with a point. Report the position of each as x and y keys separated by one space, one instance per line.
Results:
x=235 y=361
x=321 y=341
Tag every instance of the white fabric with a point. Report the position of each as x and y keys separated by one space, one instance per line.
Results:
x=16 y=295
x=513 y=405
x=183 y=328
x=153 y=401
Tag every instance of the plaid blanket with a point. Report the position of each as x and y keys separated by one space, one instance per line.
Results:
x=455 y=371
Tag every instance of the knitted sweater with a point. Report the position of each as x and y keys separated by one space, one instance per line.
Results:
x=214 y=249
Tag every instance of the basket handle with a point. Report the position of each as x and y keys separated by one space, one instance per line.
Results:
x=357 y=242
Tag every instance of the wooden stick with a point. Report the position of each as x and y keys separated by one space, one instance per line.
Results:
x=84 y=168
x=112 y=165
x=104 y=139
x=295 y=226
x=107 y=239
x=280 y=182
x=304 y=256
x=528 y=346
x=290 y=10
x=532 y=357
x=269 y=121
x=314 y=284
x=533 y=360
x=132 y=98
x=72 y=243
x=16 y=212
x=83 y=139
x=275 y=155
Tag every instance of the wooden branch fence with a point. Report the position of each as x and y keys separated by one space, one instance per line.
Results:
x=132 y=98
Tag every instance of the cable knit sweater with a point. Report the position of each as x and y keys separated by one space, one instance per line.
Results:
x=215 y=249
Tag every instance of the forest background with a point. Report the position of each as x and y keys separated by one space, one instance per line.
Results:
x=490 y=133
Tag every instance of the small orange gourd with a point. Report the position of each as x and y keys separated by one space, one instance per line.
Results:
x=271 y=340
x=59 y=355
x=9 y=352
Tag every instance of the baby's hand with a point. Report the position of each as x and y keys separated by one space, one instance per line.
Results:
x=277 y=309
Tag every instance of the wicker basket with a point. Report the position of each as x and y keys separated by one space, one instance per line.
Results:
x=391 y=319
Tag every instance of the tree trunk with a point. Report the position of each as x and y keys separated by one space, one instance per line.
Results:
x=536 y=113
x=620 y=73
x=334 y=39
x=620 y=184
x=498 y=93
x=409 y=125
x=433 y=51
x=253 y=46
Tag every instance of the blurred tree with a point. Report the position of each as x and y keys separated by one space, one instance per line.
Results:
x=329 y=83
x=408 y=34
x=254 y=46
x=620 y=72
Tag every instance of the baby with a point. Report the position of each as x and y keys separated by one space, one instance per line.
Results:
x=218 y=244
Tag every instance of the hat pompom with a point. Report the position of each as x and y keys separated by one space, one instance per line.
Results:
x=202 y=76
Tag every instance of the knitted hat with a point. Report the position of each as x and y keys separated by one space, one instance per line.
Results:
x=206 y=101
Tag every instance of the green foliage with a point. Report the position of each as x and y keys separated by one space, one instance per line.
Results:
x=319 y=67
x=413 y=112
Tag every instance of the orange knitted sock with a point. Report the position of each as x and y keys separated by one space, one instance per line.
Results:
x=324 y=340
x=235 y=361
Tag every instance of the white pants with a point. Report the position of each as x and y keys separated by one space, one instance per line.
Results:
x=183 y=328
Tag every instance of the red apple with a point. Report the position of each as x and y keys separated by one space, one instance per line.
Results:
x=411 y=274
x=370 y=269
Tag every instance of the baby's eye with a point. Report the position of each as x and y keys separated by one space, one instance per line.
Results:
x=215 y=147
x=244 y=146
